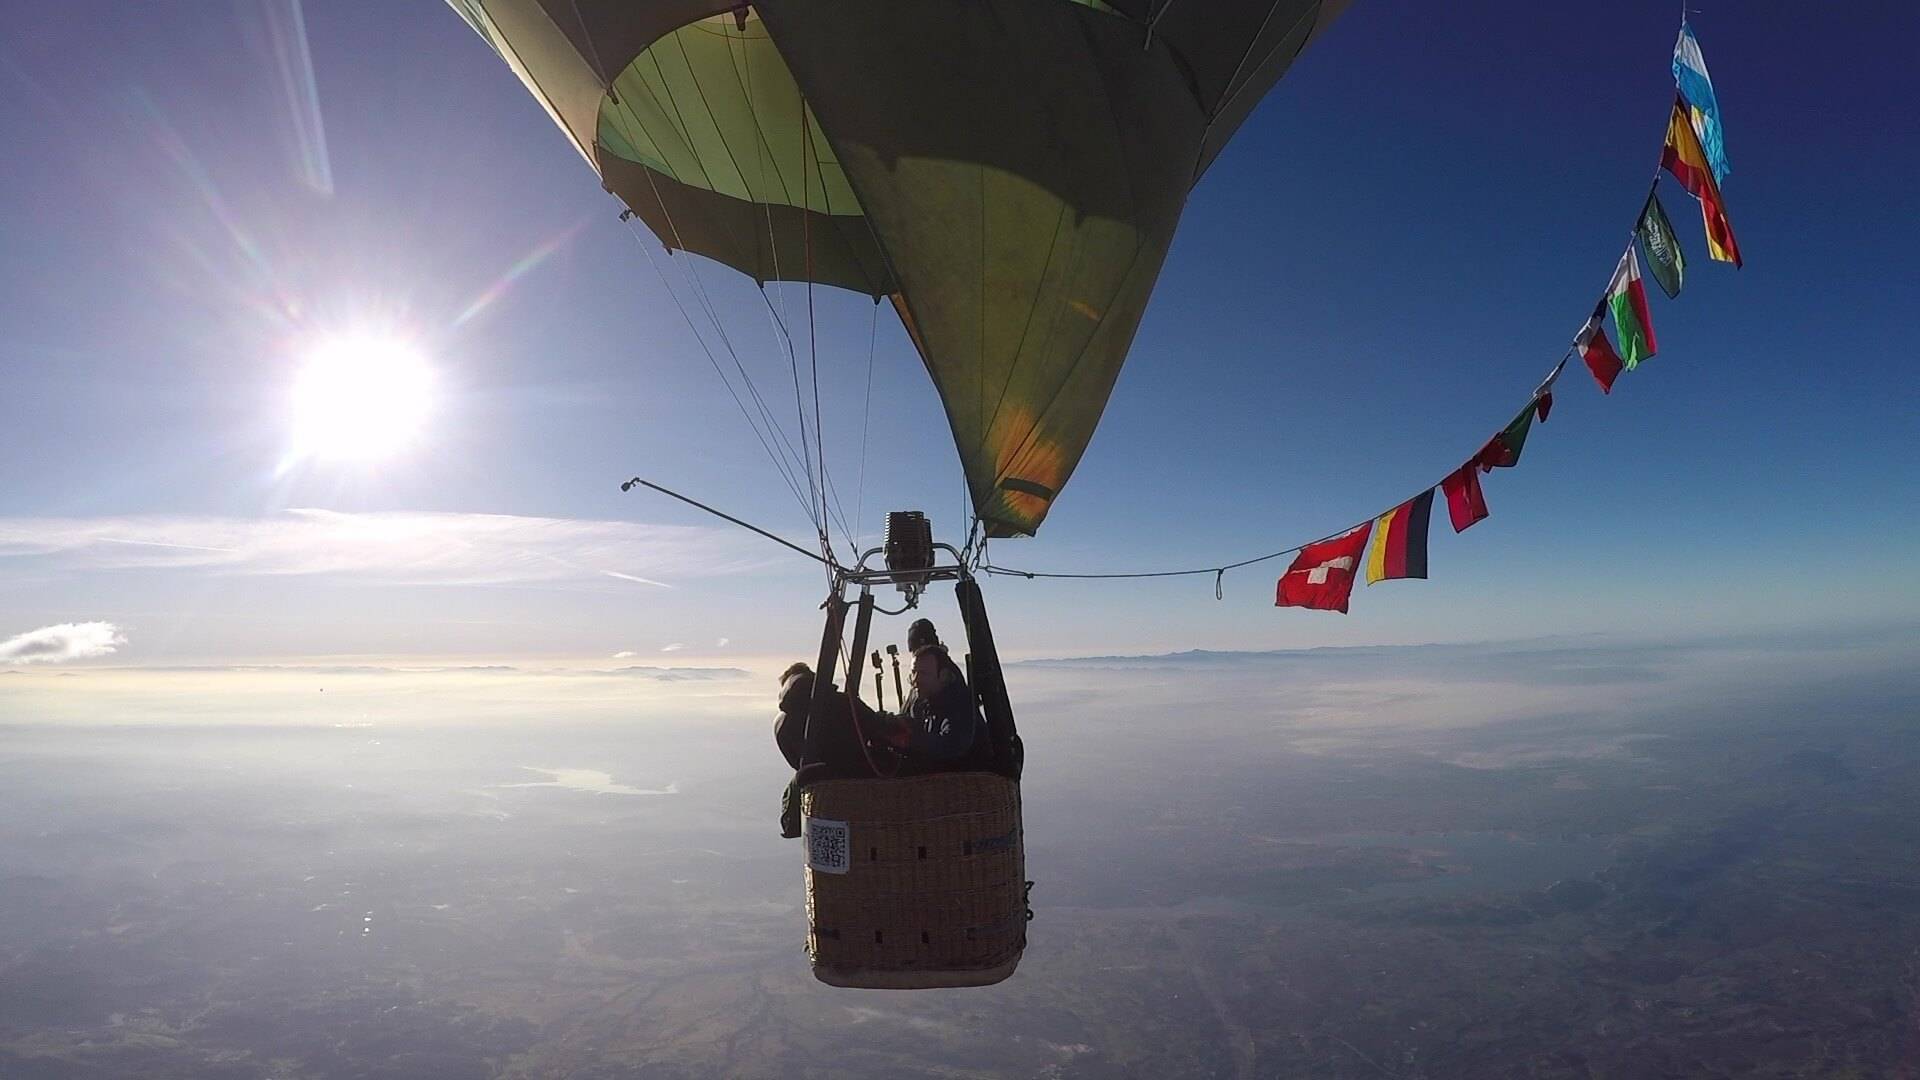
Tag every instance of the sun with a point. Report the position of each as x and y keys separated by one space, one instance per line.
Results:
x=360 y=398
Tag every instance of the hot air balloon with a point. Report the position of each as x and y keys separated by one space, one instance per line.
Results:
x=1008 y=175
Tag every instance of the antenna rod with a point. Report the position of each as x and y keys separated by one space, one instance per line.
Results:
x=629 y=486
x=894 y=651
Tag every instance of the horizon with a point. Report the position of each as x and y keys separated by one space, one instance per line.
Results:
x=498 y=531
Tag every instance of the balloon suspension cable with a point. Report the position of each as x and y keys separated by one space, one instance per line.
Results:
x=724 y=516
x=1218 y=572
x=974 y=553
x=1153 y=23
x=786 y=473
x=1542 y=389
x=813 y=341
x=777 y=318
x=866 y=422
x=767 y=437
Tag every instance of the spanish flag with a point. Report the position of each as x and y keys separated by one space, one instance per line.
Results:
x=1684 y=158
x=1400 y=540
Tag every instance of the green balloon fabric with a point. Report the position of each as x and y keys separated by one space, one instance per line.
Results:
x=1009 y=172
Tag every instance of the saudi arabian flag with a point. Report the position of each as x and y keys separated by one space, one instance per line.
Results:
x=1664 y=259
x=1632 y=323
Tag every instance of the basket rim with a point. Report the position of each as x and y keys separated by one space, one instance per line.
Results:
x=854 y=977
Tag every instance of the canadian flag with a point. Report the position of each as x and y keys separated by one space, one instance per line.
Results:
x=1322 y=575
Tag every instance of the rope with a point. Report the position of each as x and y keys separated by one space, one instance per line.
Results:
x=780 y=465
x=813 y=342
x=793 y=361
x=600 y=69
x=767 y=206
x=764 y=154
x=837 y=513
x=1153 y=23
x=692 y=274
x=866 y=419
x=1230 y=92
x=1219 y=572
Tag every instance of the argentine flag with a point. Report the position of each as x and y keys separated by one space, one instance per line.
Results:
x=1690 y=75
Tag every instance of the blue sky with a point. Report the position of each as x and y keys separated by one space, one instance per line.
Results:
x=1368 y=282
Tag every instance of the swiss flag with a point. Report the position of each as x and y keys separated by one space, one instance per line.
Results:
x=1322 y=576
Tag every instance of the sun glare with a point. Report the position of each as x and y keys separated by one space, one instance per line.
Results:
x=360 y=399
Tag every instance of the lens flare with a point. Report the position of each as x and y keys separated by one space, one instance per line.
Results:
x=360 y=399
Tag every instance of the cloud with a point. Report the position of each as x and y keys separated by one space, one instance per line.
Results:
x=58 y=644
x=674 y=647
x=625 y=654
x=635 y=578
x=1541 y=661
x=678 y=674
x=1535 y=699
x=658 y=674
x=417 y=548
x=721 y=643
x=322 y=669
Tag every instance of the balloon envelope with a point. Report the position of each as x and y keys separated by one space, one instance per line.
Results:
x=1008 y=172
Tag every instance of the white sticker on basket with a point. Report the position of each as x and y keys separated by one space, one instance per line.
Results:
x=827 y=849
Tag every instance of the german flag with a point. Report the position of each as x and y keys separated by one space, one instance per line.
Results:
x=1400 y=540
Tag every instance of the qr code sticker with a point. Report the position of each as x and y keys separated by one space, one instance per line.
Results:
x=827 y=846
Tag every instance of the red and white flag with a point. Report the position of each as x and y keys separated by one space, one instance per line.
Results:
x=1597 y=351
x=1322 y=575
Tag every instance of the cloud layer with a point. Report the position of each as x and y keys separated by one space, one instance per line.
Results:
x=61 y=643
x=394 y=547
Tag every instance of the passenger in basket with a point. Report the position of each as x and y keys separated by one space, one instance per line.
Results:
x=944 y=729
x=853 y=740
x=852 y=737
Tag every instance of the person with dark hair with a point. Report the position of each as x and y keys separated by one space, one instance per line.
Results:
x=850 y=732
x=850 y=739
x=944 y=728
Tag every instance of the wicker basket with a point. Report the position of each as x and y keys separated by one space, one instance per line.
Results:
x=915 y=883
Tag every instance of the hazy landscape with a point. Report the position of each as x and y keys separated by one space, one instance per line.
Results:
x=1562 y=858
x=380 y=698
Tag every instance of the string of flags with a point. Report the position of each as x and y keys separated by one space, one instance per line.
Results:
x=1393 y=545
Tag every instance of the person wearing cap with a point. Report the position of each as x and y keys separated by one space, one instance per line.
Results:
x=944 y=729
x=853 y=740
